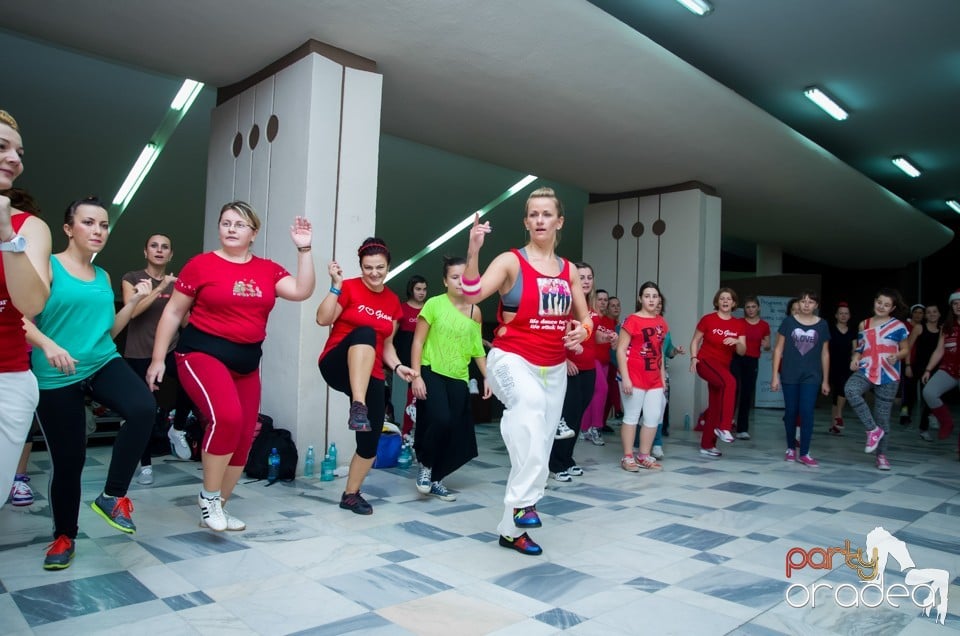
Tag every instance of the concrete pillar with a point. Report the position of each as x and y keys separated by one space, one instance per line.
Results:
x=673 y=239
x=769 y=260
x=301 y=137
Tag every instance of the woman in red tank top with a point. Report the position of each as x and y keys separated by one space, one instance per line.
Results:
x=24 y=289
x=527 y=364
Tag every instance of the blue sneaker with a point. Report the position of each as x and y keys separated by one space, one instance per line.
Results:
x=59 y=553
x=115 y=511
x=522 y=544
x=526 y=517
x=440 y=491
x=20 y=492
x=424 y=481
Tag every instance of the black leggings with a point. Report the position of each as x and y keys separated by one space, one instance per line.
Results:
x=63 y=421
x=744 y=369
x=333 y=368
x=444 y=438
x=575 y=401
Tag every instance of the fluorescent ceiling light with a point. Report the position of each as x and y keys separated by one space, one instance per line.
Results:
x=700 y=7
x=822 y=100
x=185 y=96
x=137 y=173
x=462 y=225
x=904 y=164
x=954 y=205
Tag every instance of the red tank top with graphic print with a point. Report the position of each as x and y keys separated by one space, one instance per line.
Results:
x=13 y=342
x=536 y=331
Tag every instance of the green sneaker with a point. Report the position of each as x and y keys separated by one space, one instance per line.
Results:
x=115 y=511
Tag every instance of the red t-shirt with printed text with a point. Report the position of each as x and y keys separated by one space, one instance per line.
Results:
x=231 y=300
x=715 y=329
x=365 y=308
x=409 y=320
x=645 y=355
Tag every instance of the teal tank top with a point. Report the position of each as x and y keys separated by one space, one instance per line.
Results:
x=78 y=317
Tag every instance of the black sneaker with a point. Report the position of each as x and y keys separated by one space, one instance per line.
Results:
x=358 y=418
x=59 y=553
x=522 y=544
x=354 y=502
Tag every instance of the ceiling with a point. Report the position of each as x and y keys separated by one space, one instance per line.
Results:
x=566 y=90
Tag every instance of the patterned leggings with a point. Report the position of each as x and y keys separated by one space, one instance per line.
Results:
x=883 y=396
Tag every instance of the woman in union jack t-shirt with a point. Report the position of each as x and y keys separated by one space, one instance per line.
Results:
x=881 y=345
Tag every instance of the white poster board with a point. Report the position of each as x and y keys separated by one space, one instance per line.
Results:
x=773 y=309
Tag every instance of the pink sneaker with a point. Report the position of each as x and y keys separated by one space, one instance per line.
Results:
x=883 y=463
x=790 y=455
x=873 y=439
x=806 y=460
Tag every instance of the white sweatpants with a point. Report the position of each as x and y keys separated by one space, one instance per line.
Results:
x=20 y=396
x=533 y=399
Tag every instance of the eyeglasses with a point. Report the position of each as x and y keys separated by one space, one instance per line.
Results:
x=240 y=225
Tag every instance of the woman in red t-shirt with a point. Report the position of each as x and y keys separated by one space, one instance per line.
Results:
x=24 y=289
x=365 y=316
x=744 y=368
x=229 y=294
x=717 y=337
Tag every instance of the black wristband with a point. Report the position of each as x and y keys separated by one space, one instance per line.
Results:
x=399 y=364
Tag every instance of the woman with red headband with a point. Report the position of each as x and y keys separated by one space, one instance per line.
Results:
x=365 y=316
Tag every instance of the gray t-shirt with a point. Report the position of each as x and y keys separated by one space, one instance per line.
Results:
x=801 y=351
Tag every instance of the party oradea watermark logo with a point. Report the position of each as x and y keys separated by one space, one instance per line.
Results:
x=926 y=588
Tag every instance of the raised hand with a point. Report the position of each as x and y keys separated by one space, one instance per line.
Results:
x=301 y=232
x=478 y=232
x=336 y=273
x=142 y=289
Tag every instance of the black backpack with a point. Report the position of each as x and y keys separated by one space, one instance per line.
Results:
x=269 y=438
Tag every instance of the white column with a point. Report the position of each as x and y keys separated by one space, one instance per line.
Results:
x=321 y=163
x=672 y=239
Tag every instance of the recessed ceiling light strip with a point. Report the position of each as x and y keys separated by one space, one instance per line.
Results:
x=700 y=7
x=827 y=104
x=904 y=164
x=462 y=225
x=954 y=205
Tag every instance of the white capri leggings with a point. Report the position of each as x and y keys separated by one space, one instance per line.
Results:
x=20 y=396
x=651 y=403
x=533 y=399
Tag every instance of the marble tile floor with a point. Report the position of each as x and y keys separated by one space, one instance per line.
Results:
x=697 y=548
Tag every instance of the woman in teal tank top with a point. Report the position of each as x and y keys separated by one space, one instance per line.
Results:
x=74 y=357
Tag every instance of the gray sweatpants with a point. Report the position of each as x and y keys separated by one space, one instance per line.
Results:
x=938 y=384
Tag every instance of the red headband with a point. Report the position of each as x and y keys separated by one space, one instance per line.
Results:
x=369 y=245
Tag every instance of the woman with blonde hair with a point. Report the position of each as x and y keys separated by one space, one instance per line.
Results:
x=527 y=366
x=229 y=294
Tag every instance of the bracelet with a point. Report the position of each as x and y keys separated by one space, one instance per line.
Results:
x=399 y=364
x=334 y=290
x=588 y=327
x=304 y=248
x=470 y=281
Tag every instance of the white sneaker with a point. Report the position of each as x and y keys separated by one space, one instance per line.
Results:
x=233 y=524
x=657 y=452
x=743 y=435
x=710 y=452
x=595 y=437
x=211 y=513
x=145 y=478
x=563 y=431
x=723 y=436
x=926 y=436
x=178 y=443
x=562 y=476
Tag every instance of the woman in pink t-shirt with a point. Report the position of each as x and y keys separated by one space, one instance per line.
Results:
x=717 y=337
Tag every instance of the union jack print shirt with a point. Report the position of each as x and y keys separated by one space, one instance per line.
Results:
x=875 y=344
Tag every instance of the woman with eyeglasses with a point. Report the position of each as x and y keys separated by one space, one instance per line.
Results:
x=229 y=293
x=24 y=288
x=364 y=315
x=74 y=357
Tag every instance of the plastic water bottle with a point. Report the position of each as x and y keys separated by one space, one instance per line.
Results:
x=327 y=466
x=406 y=457
x=308 y=463
x=273 y=470
x=686 y=421
x=332 y=453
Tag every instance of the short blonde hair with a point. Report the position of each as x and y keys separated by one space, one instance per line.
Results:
x=7 y=118
x=246 y=212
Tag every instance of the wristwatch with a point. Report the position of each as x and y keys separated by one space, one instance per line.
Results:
x=16 y=243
